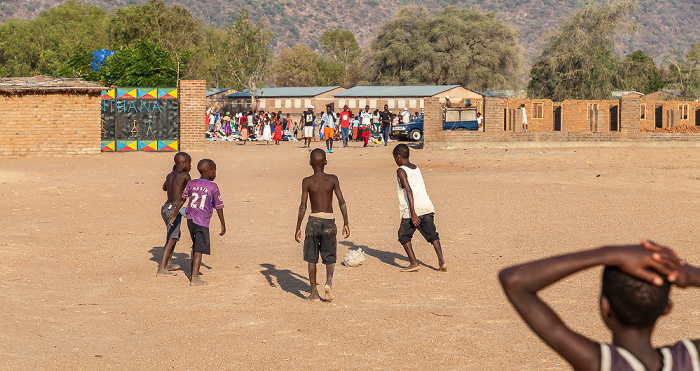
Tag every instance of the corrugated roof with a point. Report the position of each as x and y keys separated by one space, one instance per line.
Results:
x=500 y=93
x=215 y=91
x=43 y=84
x=307 y=91
x=395 y=91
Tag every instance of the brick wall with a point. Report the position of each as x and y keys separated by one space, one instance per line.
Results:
x=193 y=104
x=50 y=124
x=586 y=128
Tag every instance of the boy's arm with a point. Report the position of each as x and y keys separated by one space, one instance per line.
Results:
x=522 y=282
x=302 y=209
x=220 y=213
x=177 y=210
x=343 y=208
x=403 y=180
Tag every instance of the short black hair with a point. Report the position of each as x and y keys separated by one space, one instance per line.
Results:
x=317 y=156
x=636 y=303
x=205 y=165
x=401 y=150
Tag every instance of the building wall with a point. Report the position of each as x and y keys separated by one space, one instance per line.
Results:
x=576 y=125
x=193 y=105
x=50 y=124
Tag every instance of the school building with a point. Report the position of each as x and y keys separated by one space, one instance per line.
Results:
x=292 y=100
x=411 y=97
x=217 y=99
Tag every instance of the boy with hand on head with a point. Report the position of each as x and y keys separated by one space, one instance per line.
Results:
x=320 y=229
x=636 y=284
x=203 y=196
x=174 y=184
x=417 y=211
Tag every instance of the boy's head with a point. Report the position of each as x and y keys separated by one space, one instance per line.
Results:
x=183 y=161
x=631 y=301
x=401 y=153
x=317 y=158
x=207 y=169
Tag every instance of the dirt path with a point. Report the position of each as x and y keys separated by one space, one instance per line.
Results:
x=81 y=237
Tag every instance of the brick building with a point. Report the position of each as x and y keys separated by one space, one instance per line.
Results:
x=218 y=101
x=47 y=116
x=411 y=97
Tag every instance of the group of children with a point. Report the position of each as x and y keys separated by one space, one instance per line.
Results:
x=637 y=279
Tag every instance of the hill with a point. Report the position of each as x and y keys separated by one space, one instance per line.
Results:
x=664 y=25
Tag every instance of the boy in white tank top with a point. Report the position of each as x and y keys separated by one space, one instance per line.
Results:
x=416 y=209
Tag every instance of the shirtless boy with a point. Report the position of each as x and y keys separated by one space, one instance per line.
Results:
x=320 y=229
x=174 y=184
x=634 y=295
x=203 y=197
x=417 y=211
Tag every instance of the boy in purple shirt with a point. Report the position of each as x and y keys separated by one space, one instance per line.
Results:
x=203 y=196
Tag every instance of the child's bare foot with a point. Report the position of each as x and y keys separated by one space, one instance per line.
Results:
x=411 y=268
x=198 y=282
x=164 y=273
x=329 y=292
x=172 y=267
x=313 y=297
x=443 y=267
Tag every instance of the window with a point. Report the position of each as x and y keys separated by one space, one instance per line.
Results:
x=341 y=103
x=287 y=103
x=351 y=103
x=643 y=111
x=307 y=102
x=537 y=110
x=401 y=103
x=262 y=103
x=390 y=103
x=361 y=103
x=372 y=103
x=591 y=107
x=684 y=111
x=422 y=103
x=412 y=103
x=278 y=103
x=297 y=103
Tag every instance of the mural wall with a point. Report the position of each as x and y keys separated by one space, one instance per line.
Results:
x=140 y=119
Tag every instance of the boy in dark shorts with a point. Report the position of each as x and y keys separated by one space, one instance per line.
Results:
x=320 y=229
x=174 y=184
x=203 y=196
x=417 y=211
x=634 y=295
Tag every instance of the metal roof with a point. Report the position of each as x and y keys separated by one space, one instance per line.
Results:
x=290 y=92
x=395 y=91
x=215 y=91
x=500 y=93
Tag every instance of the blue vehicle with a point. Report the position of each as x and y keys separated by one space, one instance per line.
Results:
x=412 y=131
x=459 y=118
x=453 y=119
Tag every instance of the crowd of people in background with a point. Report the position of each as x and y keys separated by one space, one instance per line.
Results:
x=256 y=125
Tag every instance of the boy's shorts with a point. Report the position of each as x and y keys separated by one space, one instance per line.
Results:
x=167 y=211
x=426 y=228
x=308 y=131
x=320 y=238
x=200 y=237
x=328 y=133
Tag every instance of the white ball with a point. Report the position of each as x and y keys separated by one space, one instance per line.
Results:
x=354 y=258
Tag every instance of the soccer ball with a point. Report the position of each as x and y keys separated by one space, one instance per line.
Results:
x=354 y=258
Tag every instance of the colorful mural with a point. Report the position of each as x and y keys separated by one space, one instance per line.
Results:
x=140 y=119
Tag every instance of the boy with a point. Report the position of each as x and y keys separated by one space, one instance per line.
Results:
x=634 y=295
x=522 y=108
x=328 y=124
x=320 y=229
x=174 y=184
x=204 y=196
x=308 y=118
x=417 y=211
x=365 y=124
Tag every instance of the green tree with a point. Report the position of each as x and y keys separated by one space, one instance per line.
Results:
x=79 y=65
x=684 y=74
x=246 y=53
x=173 y=28
x=43 y=45
x=144 y=64
x=638 y=72
x=341 y=47
x=578 y=61
x=296 y=66
x=465 y=47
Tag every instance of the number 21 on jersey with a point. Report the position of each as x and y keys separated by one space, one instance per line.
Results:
x=195 y=198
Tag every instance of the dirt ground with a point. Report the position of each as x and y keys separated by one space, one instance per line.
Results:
x=81 y=236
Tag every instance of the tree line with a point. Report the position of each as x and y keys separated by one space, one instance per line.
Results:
x=155 y=45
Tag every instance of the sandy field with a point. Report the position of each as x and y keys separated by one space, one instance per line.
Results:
x=81 y=237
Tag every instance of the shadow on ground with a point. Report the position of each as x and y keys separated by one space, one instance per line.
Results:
x=287 y=280
x=180 y=258
x=386 y=257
